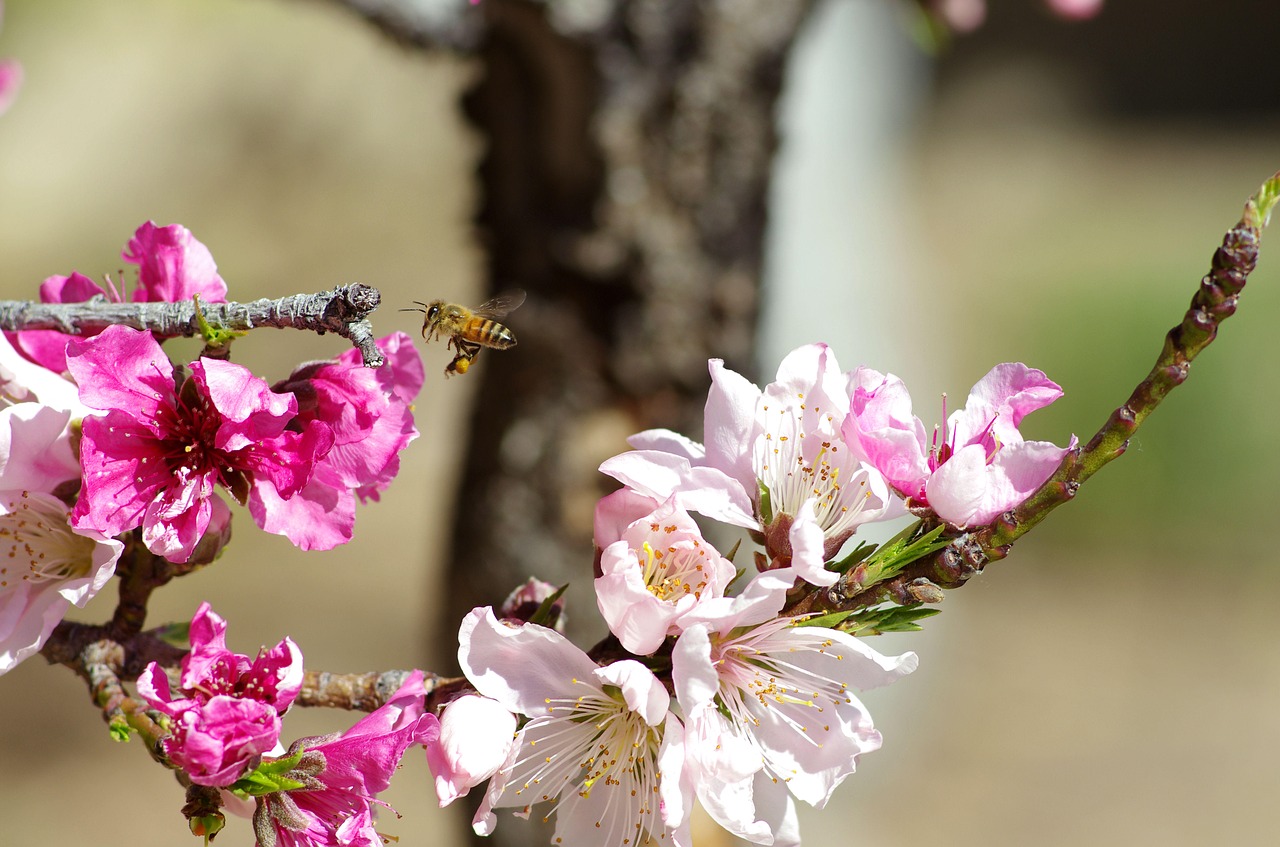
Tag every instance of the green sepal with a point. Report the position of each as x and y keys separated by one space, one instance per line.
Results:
x=174 y=634
x=543 y=616
x=734 y=551
x=766 y=504
x=269 y=778
x=214 y=336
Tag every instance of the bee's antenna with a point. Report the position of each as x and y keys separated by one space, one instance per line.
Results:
x=424 y=311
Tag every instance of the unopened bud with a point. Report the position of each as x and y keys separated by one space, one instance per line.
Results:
x=923 y=591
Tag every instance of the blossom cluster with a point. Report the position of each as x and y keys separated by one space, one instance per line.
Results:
x=713 y=694
x=101 y=435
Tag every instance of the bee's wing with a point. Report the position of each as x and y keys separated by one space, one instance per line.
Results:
x=502 y=305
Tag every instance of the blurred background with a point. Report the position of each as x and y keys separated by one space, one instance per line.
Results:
x=1039 y=191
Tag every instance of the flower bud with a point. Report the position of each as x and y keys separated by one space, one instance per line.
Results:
x=476 y=735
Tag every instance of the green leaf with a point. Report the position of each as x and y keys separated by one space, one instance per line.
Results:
x=174 y=634
x=1264 y=201
x=544 y=616
x=902 y=550
x=888 y=619
x=829 y=621
x=213 y=336
x=269 y=777
x=119 y=728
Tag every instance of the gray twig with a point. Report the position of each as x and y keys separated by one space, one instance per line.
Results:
x=343 y=311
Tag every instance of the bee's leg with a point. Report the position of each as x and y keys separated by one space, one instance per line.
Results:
x=467 y=351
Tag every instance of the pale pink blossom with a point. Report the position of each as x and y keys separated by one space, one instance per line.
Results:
x=156 y=455
x=476 y=735
x=370 y=411
x=593 y=741
x=769 y=715
x=978 y=466
x=172 y=266
x=226 y=713
x=25 y=381
x=342 y=776
x=655 y=567
x=772 y=460
x=46 y=566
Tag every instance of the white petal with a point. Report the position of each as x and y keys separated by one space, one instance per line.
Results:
x=520 y=667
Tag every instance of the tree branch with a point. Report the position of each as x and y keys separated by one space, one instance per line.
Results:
x=1214 y=301
x=451 y=26
x=343 y=311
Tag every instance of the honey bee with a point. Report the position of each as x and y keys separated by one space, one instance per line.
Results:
x=469 y=330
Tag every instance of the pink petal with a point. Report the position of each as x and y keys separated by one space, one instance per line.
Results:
x=1007 y=394
x=729 y=423
x=321 y=516
x=641 y=690
x=10 y=82
x=519 y=667
x=705 y=490
x=121 y=368
x=617 y=511
x=807 y=548
x=173 y=266
x=76 y=288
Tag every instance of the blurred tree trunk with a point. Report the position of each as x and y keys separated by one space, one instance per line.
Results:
x=624 y=187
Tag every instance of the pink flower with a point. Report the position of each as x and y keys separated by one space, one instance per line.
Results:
x=769 y=716
x=343 y=774
x=228 y=714
x=1075 y=10
x=154 y=458
x=774 y=461
x=45 y=564
x=10 y=77
x=476 y=734
x=593 y=741
x=370 y=413
x=979 y=465
x=173 y=266
x=655 y=567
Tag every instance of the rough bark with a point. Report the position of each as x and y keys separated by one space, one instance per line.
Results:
x=624 y=188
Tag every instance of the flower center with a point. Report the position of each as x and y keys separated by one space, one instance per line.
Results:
x=37 y=543
x=796 y=465
x=675 y=571
x=587 y=744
